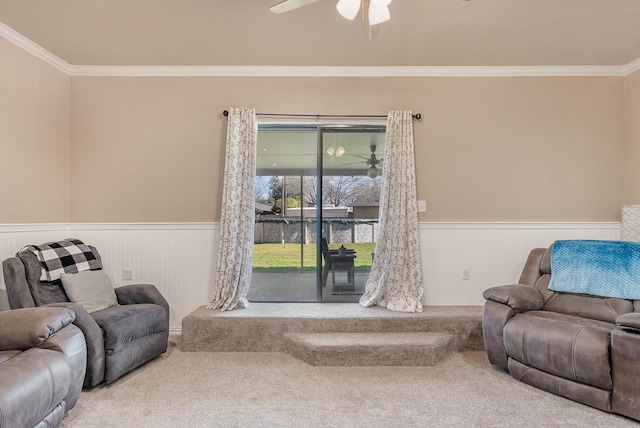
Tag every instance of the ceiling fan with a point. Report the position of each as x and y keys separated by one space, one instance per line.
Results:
x=373 y=12
x=372 y=161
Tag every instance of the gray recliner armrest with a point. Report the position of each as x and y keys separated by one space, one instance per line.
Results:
x=26 y=328
x=625 y=370
x=520 y=298
x=70 y=341
x=630 y=321
x=503 y=303
x=95 y=343
x=141 y=293
x=34 y=383
x=35 y=331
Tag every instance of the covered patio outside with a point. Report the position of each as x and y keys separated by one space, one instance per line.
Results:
x=300 y=168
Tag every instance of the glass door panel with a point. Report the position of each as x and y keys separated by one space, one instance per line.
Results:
x=352 y=162
x=284 y=256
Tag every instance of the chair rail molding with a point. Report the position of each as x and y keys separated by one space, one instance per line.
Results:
x=179 y=257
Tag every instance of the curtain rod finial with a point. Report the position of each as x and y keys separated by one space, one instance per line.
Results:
x=417 y=116
x=225 y=113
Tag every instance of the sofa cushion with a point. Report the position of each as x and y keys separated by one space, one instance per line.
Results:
x=563 y=345
x=605 y=309
x=124 y=324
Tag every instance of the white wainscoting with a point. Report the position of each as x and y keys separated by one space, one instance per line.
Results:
x=178 y=257
x=493 y=254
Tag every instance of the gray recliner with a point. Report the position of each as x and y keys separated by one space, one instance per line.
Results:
x=583 y=347
x=42 y=366
x=119 y=338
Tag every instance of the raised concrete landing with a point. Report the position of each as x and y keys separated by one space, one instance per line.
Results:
x=262 y=326
x=370 y=349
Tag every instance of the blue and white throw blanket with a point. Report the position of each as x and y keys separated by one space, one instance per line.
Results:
x=67 y=256
x=599 y=268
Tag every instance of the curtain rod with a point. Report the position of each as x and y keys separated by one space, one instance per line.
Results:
x=416 y=116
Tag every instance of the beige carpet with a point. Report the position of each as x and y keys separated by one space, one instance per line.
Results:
x=236 y=389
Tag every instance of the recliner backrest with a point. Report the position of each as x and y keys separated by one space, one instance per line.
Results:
x=586 y=306
x=44 y=292
x=542 y=284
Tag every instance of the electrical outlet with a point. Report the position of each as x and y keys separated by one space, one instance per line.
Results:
x=466 y=274
x=127 y=274
x=422 y=206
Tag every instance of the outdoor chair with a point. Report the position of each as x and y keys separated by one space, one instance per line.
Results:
x=335 y=261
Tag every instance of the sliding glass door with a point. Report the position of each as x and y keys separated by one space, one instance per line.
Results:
x=317 y=193
x=351 y=163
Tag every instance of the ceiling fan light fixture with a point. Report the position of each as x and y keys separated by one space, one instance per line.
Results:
x=378 y=15
x=348 y=9
x=380 y=3
x=372 y=172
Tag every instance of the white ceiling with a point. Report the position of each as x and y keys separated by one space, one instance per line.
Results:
x=422 y=33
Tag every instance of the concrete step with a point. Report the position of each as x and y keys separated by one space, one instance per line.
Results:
x=370 y=349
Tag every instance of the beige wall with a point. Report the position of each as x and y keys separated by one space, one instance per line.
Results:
x=145 y=150
x=488 y=149
x=632 y=125
x=34 y=139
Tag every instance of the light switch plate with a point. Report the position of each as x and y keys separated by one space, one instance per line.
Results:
x=422 y=206
x=127 y=274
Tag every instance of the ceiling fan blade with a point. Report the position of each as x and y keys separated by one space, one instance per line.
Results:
x=358 y=156
x=287 y=5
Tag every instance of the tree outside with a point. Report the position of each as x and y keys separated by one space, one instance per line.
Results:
x=338 y=191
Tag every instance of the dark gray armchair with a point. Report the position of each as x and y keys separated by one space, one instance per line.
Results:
x=119 y=338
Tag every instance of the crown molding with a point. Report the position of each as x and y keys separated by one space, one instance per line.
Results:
x=33 y=48
x=310 y=71
x=343 y=71
x=633 y=66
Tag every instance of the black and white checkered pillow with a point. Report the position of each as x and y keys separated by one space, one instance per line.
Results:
x=66 y=256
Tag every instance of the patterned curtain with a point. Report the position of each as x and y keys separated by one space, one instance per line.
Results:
x=395 y=280
x=235 y=249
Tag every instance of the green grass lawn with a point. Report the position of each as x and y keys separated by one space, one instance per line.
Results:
x=275 y=258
